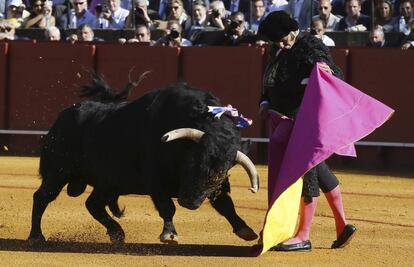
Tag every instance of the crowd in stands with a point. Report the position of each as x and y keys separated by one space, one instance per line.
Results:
x=206 y=22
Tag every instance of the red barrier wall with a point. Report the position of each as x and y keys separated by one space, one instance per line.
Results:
x=115 y=61
x=43 y=80
x=234 y=74
x=386 y=74
x=3 y=93
x=340 y=57
x=39 y=80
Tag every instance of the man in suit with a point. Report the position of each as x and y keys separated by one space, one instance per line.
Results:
x=354 y=20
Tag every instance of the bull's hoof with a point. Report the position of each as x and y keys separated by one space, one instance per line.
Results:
x=246 y=233
x=169 y=237
x=117 y=236
x=36 y=240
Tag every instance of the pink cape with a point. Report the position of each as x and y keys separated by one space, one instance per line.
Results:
x=332 y=116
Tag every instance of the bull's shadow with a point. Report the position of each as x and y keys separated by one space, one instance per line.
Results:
x=138 y=249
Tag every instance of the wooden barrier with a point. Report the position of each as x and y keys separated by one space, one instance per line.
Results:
x=233 y=74
x=386 y=74
x=115 y=61
x=3 y=85
x=340 y=57
x=43 y=79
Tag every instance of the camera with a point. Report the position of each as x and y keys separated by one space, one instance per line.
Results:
x=215 y=13
x=102 y=8
x=139 y=11
x=173 y=34
x=5 y=29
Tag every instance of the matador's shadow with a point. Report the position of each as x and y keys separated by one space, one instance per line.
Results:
x=138 y=249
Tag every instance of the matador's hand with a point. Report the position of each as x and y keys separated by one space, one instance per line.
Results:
x=325 y=67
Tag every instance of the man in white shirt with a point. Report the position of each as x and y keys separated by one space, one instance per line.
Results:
x=318 y=30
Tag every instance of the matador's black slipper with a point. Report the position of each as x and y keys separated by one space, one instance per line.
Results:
x=345 y=237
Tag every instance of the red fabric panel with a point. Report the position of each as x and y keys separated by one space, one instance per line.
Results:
x=115 y=61
x=3 y=93
x=233 y=74
x=44 y=79
x=386 y=74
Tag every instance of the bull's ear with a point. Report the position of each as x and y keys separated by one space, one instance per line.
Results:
x=245 y=146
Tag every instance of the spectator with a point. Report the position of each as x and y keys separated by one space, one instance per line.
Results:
x=377 y=38
x=407 y=41
x=41 y=16
x=199 y=14
x=354 y=20
x=217 y=14
x=300 y=11
x=7 y=31
x=237 y=5
x=177 y=12
x=143 y=15
x=318 y=30
x=3 y=9
x=85 y=34
x=258 y=13
x=16 y=13
x=384 y=15
x=325 y=14
x=60 y=7
x=142 y=35
x=198 y=21
x=276 y=5
x=77 y=16
x=235 y=32
x=401 y=23
x=101 y=22
x=173 y=35
x=115 y=14
x=52 y=33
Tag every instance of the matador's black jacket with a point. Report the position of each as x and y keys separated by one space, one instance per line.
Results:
x=282 y=82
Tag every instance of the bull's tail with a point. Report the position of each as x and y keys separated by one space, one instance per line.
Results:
x=101 y=91
x=114 y=207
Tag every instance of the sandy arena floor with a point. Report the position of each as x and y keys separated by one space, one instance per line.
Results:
x=382 y=208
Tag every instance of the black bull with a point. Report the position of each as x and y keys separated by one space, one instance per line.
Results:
x=118 y=148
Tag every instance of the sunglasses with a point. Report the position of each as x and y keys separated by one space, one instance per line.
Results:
x=5 y=29
x=79 y=3
x=323 y=7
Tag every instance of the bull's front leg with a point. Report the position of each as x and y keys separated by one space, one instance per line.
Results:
x=166 y=210
x=224 y=205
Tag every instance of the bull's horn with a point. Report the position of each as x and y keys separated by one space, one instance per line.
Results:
x=195 y=135
x=188 y=133
x=248 y=165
